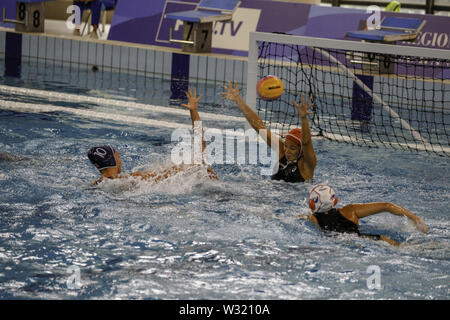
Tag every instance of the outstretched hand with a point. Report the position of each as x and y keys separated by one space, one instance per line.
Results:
x=303 y=109
x=421 y=226
x=192 y=100
x=230 y=92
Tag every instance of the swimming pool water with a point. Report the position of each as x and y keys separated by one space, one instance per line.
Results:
x=193 y=238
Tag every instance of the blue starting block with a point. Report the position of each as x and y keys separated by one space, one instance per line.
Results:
x=30 y=16
x=198 y=23
x=392 y=29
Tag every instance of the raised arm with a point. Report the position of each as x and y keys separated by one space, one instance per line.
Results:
x=192 y=105
x=367 y=209
x=232 y=93
x=309 y=155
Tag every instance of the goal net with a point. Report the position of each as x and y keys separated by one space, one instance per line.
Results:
x=363 y=93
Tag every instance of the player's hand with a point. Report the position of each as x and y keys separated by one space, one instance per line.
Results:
x=230 y=92
x=192 y=100
x=303 y=109
x=421 y=226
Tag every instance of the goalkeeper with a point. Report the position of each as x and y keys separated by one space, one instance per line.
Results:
x=297 y=159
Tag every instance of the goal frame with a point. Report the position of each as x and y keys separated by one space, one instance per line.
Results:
x=326 y=43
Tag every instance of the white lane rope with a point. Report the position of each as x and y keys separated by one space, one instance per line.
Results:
x=67 y=97
x=103 y=116
x=44 y=108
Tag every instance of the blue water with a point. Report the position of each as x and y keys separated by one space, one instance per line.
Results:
x=192 y=238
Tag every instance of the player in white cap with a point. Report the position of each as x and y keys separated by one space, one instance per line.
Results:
x=323 y=200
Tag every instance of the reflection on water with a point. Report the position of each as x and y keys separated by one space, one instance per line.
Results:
x=192 y=238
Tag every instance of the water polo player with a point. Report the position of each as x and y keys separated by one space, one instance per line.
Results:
x=322 y=202
x=297 y=159
x=106 y=158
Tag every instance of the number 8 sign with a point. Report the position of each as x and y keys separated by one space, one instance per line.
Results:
x=30 y=16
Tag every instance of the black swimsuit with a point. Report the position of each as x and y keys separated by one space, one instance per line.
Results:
x=288 y=171
x=333 y=220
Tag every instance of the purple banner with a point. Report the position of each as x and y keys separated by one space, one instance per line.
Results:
x=10 y=12
x=228 y=37
x=137 y=21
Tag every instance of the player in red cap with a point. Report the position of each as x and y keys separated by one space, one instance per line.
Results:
x=297 y=159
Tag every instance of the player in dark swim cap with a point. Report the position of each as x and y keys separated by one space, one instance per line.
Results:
x=106 y=158
x=297 y=159
x=103 y=157
x=322 y=202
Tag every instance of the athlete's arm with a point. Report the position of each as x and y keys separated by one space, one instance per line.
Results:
x=151 y=175
x=309 y=162
x=367 y=209
x=10 y=157
x=192 y=105
x=232 y=93
x=309 y=217
x=312 y=218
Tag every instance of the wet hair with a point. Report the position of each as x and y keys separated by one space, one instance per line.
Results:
x=102 y=157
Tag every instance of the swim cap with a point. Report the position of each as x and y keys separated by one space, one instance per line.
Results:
x=322 y=198
x=295 y=135
x=102 y=157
